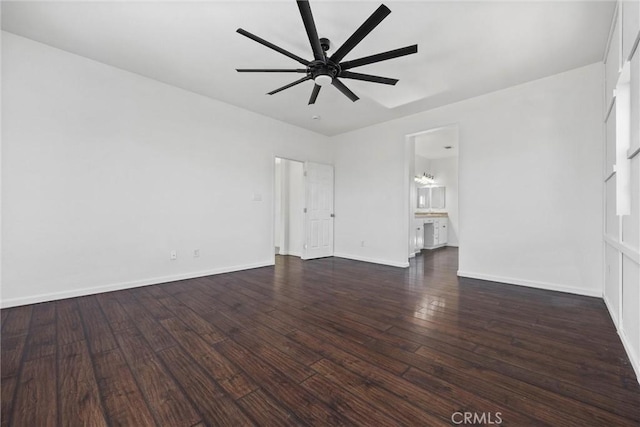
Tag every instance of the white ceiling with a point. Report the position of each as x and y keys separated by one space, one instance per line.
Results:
x=431 y=144
x=465 y=48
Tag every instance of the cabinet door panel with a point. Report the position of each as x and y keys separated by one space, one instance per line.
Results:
x=444 y=233
x=635 y=101
x=610 y=151
x=611 y=219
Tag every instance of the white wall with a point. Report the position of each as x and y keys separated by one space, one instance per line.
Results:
x=422 y=165
x=531 y=206
x=104 y=172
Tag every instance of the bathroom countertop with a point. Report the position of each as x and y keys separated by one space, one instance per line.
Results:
x=431 y=214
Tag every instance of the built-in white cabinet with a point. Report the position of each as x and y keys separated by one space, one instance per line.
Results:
x=621 y=284
x=431 y=233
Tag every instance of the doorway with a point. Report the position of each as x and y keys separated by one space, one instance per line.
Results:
x=433 y=194
x=289 y=207
x=303 y=211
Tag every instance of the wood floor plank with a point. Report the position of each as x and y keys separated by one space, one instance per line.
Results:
x=266 y=411
x=151 y=329
x=41 y=342
x=43 y=314
x=36 y=403
x=354 y=408
x=295 y=398
x=18 y=321
x=80 y=402
x=99 y=335
x=12 y=350
x=216 y=407
x=386 y=402
x=123 y=402
x=7 y=393
x=165 y=400
x=69 y=323
x=114 y=313
x=227 y=374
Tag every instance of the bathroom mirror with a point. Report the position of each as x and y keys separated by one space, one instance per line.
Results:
x=432 y=197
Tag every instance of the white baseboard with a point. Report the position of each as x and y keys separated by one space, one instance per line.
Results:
x=611 y=311
x=372 y=260
x=631 y=354
x=633 y=357
x=531 y=284
x=290 y=253
x=12 y=302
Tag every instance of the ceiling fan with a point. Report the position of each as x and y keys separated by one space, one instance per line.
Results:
x=325 y=70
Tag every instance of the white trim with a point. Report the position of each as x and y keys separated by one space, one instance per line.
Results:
x=532 y=284
x=635 y=46
x=292 y=253
x=633 y=358
x=631 y=154
x=610 y=107
x=12 y=302
x=610 y=36
x=611 y=311
x=626 y=250
x=372 y=260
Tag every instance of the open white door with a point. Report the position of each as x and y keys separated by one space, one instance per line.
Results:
x=318 y=217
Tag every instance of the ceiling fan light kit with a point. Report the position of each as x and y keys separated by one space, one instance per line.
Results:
x=327 y=70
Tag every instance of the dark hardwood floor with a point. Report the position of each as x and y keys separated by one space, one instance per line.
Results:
x=324 y=342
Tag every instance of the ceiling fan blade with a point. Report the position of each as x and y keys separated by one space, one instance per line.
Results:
x=396 y=53
x=368 y=78
x=345 y=90
x=312 y=32
x=305 y=78
x=272 y=46
x=271 y=70
x=368 y=26
x=314 y=94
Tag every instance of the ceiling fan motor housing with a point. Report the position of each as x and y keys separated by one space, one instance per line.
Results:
x=317 y=68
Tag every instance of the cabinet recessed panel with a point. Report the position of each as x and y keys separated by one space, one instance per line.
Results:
x=631 y=301
x=631 y=223
x=612 y=279
x=634 y=100
x=610 y=147
x=611 y=219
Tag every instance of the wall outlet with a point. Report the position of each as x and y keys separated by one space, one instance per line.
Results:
x=173 y=255
x=196 y=253
x=362 y=243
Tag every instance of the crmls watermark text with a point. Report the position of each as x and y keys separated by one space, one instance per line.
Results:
x=476 y=418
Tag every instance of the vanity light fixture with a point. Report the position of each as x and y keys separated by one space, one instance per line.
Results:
x=425 y=179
